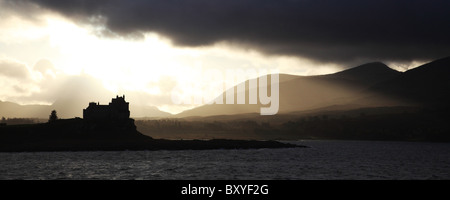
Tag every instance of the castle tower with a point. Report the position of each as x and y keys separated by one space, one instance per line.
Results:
x=118 y=109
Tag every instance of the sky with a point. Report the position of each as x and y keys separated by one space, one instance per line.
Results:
x=145 y=48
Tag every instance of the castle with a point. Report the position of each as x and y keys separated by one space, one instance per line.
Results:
x=118 y=109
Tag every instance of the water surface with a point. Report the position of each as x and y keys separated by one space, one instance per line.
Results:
x=324 y=160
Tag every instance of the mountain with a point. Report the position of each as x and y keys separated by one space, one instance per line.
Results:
x=10 y=109
x=369 y=85
x=425 y=85
x=297 y=93
x=147 y=111
x=68 y=108
x=367 y=74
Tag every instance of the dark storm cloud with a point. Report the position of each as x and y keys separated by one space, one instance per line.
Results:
x=327 y=31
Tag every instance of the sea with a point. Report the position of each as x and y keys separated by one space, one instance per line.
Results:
x=322 y=160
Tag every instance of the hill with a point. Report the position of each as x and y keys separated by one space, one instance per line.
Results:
x=67 y=108
x=426 y=85
x=10 y=109
x=299 y=93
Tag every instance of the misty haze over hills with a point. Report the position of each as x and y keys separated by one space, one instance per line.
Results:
x=368 y=85
x=68 y=109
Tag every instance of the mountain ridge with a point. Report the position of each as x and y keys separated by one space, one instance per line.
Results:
x=299 y=93
x=368 y=85
x=428 y=84
x=66 y=110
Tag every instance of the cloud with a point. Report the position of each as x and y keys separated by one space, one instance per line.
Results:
x=80 y=88
x=14 y=7
x=326 y=31
x=43 y=66
x=15 y=79
x=68 y=94
x=43 y=83
x=22 y=84
x=13 y=69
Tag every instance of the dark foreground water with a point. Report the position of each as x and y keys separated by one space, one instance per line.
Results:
x=324 y=160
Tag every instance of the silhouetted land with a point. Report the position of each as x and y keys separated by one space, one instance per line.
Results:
x=368 y=102
x=383 y=123
x=81 y=135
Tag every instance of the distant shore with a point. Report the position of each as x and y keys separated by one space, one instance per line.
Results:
x=79 y=135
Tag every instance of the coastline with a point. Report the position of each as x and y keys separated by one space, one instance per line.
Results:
x=81 y=135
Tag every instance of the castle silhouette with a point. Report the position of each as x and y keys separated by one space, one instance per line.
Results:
x=118 y=109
